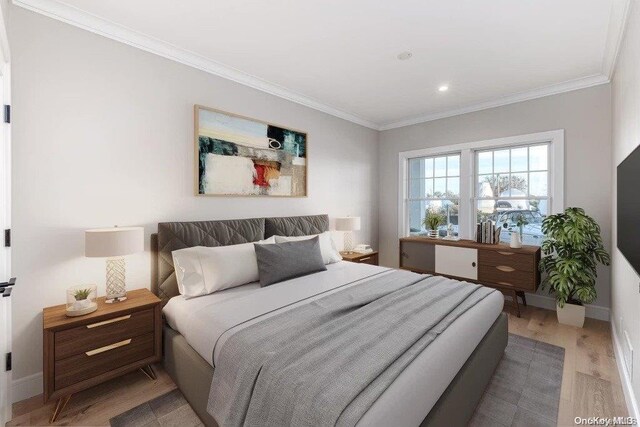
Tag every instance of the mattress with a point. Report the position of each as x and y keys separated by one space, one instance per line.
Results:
x=207 y=321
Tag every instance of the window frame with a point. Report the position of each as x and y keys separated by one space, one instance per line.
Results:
x=467 y=213
x=446 y=156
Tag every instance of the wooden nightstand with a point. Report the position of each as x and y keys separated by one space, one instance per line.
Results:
x=370 y=258
x=80 y=352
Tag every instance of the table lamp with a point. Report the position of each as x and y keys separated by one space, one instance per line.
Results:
x=348 y=224
x=113 y=244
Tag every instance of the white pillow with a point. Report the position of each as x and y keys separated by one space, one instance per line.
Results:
x=328 y=249
x=202 y=270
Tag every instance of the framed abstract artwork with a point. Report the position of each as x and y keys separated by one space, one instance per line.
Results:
x=239 y=156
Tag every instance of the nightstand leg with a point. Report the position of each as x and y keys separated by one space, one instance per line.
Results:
x=148 y=371
x=60 y=405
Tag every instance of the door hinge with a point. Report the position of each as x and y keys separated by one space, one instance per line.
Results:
x=7 y=113
x=7 y=238
x=7 y=363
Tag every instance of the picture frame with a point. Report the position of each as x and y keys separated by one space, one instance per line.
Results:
x=238 y=156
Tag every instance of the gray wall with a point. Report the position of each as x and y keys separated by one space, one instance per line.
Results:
x=625 y=94
x=583 y=114
x=103 y=135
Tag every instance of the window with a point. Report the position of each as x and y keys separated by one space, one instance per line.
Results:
x=512 y=184
x=434 y=183
x=505 y=179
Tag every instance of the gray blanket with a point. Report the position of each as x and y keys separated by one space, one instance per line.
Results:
x=326 y=362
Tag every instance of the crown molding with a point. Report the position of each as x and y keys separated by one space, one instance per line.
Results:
x=615 y=33
x=95 y=24
x=555 y=89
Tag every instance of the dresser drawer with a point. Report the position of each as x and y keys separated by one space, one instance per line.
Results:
x=99 y=360
x=522 y=262
x=506 y=276
x=80 y=339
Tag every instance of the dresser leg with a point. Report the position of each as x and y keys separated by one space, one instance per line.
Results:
x=148 y=371
x=515 y=301
x=60 y=405
x=523 y=296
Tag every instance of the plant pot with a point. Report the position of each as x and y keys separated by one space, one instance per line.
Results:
x=571 y=314
x=433 y=234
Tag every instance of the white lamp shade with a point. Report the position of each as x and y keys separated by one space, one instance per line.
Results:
x=113 y=242
x=348 y=223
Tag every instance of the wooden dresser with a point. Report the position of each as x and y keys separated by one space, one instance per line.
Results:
x=512 y=271
x=80 y=352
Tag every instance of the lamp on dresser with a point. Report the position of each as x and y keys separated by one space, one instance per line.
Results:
x=114 y=243
x=348 y=224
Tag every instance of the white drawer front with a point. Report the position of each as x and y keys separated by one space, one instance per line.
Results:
x=460 y=262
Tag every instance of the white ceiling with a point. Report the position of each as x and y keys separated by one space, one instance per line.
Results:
x=340 y=56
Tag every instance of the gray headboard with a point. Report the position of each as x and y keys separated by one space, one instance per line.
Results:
x=180 y=235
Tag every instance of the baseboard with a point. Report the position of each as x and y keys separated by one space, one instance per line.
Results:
x=26 y=387
x=592 y=311
x=627 y=387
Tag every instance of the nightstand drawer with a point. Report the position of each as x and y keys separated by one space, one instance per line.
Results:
x=98 y=334
x=506 y=276
x=371 y=259
x=101 y=359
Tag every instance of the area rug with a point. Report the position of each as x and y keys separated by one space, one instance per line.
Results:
x=524 y=391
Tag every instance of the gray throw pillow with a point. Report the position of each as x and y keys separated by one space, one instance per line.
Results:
x=283 y=261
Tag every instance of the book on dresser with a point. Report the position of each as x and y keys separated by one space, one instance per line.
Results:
x=512 y=271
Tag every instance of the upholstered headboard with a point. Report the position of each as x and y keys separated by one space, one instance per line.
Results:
x=178 y=235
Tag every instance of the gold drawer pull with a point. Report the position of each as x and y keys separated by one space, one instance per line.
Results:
x=108 y=347
x=505 y=268
x=505 y=283
x=506 y=253
x=364 y=259
x=106 y=322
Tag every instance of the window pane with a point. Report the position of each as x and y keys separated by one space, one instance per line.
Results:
x=420 y=188
x=539 y=184
x=440 y=167
x=417 y=210
x=538 y=157
x=531 y=232
x=485 y=162
x=519 y=160
x=416 y=167
x=454 y=165
x=519 y=185
x=453 y=187
x=428 y=168
x=439 y=187
x=501 y=161
x=485 y=187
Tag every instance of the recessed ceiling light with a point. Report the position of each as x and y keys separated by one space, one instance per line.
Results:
x=443 y=88
x=404 y=56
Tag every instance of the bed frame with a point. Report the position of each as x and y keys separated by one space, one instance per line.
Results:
x=192 y=374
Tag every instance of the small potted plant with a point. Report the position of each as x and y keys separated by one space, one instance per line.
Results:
x=433 y=218
x=81 y=300
x=572 y=250
x=516 y=236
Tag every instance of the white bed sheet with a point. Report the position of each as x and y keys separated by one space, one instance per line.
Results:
x=206 y=322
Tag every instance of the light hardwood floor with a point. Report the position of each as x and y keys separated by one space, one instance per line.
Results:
x=590 y=382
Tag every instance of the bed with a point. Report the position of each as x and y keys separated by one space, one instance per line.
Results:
x=441 y=386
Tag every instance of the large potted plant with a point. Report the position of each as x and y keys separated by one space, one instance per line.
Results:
x=572 y=251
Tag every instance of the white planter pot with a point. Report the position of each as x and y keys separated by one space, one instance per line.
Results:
x=516 y=241
x=571 y=314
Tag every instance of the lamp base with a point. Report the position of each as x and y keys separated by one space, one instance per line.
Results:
x=116 y=273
